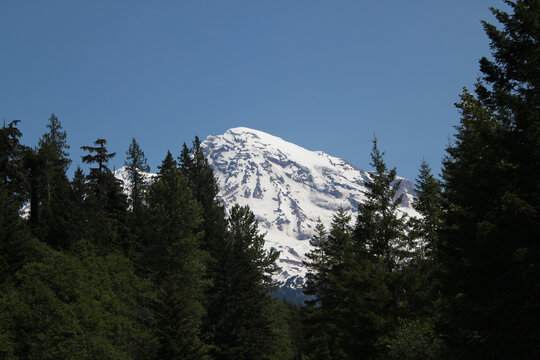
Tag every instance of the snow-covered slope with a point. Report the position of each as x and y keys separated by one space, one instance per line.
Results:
x=288 y=188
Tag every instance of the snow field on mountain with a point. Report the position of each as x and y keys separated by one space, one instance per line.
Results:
x=288 y=188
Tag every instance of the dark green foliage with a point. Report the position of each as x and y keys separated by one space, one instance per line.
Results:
x=200 y=175
x=79 y=308
x=243 y=325
x=70 y=292
x=284 y=344
x=414 y=339
x=419 y=274
x=105 y=202
x=428 y=203
x=356 y=275
x=97 y=155
x=202 y=182
x=379 y=230
x=489 y=249
x=14 y=235
x=136 y=166
x=13 y=177
x=51 y=205
x=167 y=163
x=376 y=259
x=176 y=263
x=325 y=281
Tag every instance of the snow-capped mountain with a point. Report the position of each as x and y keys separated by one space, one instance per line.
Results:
x=288 y=188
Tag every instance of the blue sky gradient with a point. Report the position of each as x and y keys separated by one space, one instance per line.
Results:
x=325 y=75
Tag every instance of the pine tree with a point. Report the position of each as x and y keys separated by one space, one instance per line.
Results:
x=64 y=306
x=15 y=240
x=136 y=164
x=356 y=274
x=428 y=203
x=317 y=263
x=200 y=175
x=243 y=321
x=415 y=337
x=167 y=163
x=325 y=284
x=98 y=155
x=193 y=164
x=13 y=175
x=379 y=228
x=51 y=200
x=489 y=247
x=373 y=264
x=177 y=264
x=106 y=204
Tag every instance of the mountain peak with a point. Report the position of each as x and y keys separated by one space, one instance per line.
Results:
x=288 y=188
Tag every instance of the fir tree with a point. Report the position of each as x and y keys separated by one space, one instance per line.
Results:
x=167 y=163
x=428 y=203
x=325 y=283
x=15 y=240
x=489 y=247
x=136 y=164
x=202 y=182
x=51 y=198
x=243 y=326
x=13 y=176
x=177 y=264
x=372 y=267
x=105 y=203
x=379 y=229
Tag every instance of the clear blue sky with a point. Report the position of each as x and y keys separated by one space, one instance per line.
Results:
x=325 y=75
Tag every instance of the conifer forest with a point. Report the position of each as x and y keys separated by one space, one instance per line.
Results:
x=89 y=270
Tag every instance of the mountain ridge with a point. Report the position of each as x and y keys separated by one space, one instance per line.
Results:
x=288 y=188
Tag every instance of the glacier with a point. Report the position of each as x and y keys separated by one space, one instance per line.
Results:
x=288 y=188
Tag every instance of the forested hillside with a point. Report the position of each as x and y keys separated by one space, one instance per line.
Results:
x=163 y=273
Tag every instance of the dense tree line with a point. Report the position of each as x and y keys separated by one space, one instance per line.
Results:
x=160 y=271
x=462 y=281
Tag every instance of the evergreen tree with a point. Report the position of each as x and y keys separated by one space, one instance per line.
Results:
x=105 y=203
x=177 y=264
x=243 y=325
x=193 y=164
x=136 y=164
x=419 y=273
x=79 y=192
x=489 y=249
x=15 y=247
x=373 y=267
x=101 y=157
x=13 y=176
x=200 y=175
x=357 y=274
x=415 y=337
x=324 y=316
x=63 y=306
x=167 y=163
x=281 y=332
x=51 y=198
x=379 y=229
x=428 y=203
